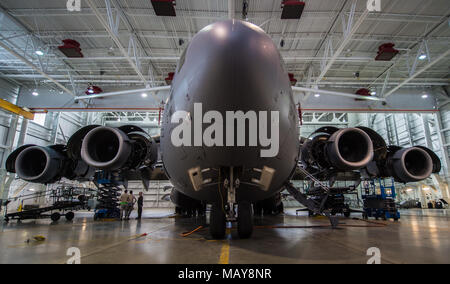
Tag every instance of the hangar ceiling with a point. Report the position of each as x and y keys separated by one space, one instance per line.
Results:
x=110 y=59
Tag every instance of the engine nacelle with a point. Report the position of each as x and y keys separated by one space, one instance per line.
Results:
x=342 y=149
x=106 y=148
x=110 y=148
x=349 y=149
x=40 y=164
x=410 y=165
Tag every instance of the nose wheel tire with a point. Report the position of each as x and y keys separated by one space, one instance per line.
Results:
x=245 y=220
x=217 y=222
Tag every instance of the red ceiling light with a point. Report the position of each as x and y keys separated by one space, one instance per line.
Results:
x=164 y=7
x=292 y=9
x=386 y=52
x=169 y=78
x=93 y=90
x=71 y=48
x=363 y=92
x=292 y=79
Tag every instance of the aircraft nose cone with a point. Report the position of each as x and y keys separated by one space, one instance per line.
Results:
x=236 y=63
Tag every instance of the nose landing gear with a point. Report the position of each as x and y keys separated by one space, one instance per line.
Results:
x=245 y=220
x=221 y=214
x=217 y=221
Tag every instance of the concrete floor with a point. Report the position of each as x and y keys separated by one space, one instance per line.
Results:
x=421 y=236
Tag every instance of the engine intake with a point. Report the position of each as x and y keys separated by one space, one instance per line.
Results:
x=349 y=149
x=411 y=164
x=39 y=164
x=106 y=148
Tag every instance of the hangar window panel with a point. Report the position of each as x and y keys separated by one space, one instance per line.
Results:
x=39 y=118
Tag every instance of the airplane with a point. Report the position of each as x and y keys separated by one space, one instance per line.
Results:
x=229 y=137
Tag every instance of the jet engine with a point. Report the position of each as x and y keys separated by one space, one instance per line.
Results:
x=39 y=164
x=342 y=149
x=411 y=164
x=127 y=148
x=407 y=164
x=109 y=148
x=403 y=164
x=46 y=164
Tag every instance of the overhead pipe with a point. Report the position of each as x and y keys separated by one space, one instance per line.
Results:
x=340 y=94
x=125 y=92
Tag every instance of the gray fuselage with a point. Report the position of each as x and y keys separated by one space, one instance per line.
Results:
x=230 y=66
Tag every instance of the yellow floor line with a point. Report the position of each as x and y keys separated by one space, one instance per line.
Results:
x=225 y=251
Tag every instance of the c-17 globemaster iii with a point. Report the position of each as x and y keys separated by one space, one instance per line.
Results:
x=229 y=137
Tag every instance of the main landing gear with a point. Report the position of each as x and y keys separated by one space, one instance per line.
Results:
x=223 y=213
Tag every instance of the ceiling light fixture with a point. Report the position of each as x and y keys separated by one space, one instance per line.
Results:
x=144 y=95
x=423 y=56
x=40 y=53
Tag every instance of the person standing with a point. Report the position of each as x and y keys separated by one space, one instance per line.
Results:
x=123 y=204
x=140 y=203
x=131 y=202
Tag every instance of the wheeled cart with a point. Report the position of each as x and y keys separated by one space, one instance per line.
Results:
x=47 y=212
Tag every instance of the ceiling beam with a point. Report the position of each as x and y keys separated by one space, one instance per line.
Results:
x=5 y=105
x=116 y=41
x=214 y=15
x=276 y=36
x=423 y=69
x=35 y=68
x=343 y=44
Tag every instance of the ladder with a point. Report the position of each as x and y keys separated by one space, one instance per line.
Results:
x=313 y=205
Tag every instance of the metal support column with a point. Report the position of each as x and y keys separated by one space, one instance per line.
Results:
x=23 y=132
x=445 y=153
x=5 y=178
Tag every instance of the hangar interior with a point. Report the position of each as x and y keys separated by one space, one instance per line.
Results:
x=127 y=46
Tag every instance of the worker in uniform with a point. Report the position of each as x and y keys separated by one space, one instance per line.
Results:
x=131 y=201
x=123 y=204
x=140 y=203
